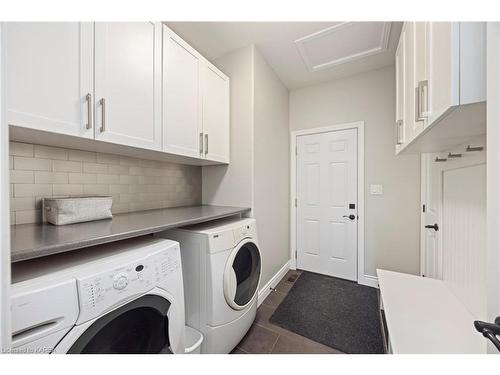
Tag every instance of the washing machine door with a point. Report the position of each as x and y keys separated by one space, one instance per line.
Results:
x=242 y=274
x=137 y=327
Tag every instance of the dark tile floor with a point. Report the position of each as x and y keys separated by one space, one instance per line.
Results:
x=267 y=338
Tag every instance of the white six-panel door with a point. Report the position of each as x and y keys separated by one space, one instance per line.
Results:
x=49 y=73
x=128 y=84
x=182 y=127
x=326 y=187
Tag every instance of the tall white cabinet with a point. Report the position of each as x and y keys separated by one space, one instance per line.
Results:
x=128 y=84
x=50 y=76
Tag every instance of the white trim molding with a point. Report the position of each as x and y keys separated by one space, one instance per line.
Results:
x=368 y=280
x=5 y=325
x=360 y=127
x=271 y=284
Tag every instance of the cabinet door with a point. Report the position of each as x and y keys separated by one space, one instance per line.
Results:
x=128 y=83
x=409 y=113
x=181 y=97
x=420 y=80
x=443 y=75
x=400 y=93
x=215 y=114
x=49 y=73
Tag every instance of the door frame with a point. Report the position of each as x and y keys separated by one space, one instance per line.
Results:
x=425 y=164
x=360 y=127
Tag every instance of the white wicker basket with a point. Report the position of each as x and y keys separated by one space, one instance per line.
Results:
x=61 y=211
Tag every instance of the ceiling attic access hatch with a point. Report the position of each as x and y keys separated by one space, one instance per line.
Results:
x=343 y=43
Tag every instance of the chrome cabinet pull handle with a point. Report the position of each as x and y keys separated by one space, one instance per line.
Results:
x=201 y=143
x=206 y=144
x=90 y=117
x=425 y=85
x=417 y=103
x=103 y=115
x=419 y=91
x=399 y=124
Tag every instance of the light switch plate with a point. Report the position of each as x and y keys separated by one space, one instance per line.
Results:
x=376 y=190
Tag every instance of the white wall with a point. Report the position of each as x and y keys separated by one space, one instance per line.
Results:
x=258 y=176
x=393 y=219
x=271 y=167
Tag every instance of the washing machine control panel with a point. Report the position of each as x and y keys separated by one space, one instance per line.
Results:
x=120 y=281
x=102 y=291
x=246 y=230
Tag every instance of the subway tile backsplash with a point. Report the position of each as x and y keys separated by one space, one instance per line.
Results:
x=38 y=171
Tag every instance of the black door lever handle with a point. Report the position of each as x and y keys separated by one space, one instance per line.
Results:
x=435 y=227
x=350 y=217
x=489 y=330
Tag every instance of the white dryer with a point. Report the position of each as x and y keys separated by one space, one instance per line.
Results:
x=221 y=266
x=125 y=297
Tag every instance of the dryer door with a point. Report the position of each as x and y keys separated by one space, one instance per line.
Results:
x=140 y=326
x=242 y=274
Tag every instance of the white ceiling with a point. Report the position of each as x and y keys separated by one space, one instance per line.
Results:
x=350 y=49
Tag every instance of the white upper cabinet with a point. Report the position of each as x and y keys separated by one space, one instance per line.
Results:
x=444 y=69
x=400 y=97
x=445 y=89
x=128 y=83
x=457 y=62
x=420 y=77
x=195 y=103
x=182 y=127
x=215 y=114
x=136 y=87
x=49 y=76
x=409 y=90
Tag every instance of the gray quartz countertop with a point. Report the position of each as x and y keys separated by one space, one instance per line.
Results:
x=30 y=241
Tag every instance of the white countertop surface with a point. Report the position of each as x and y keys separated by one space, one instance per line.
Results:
x=424 y=316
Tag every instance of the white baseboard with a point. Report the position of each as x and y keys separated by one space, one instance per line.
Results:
x=266 y=289
x=368 y=280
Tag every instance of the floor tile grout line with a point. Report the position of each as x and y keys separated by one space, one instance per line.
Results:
x=270 y=329
x=274 y=345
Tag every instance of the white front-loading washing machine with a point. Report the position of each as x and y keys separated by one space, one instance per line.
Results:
x=125 y=297
x=221 y=267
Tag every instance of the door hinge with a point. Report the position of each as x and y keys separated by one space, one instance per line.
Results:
x=296 y=150
x=295 y=202
x=423 y=208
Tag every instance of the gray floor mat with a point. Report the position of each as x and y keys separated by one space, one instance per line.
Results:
x=339 y=313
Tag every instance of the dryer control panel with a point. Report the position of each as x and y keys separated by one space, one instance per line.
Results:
x=105 y=290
